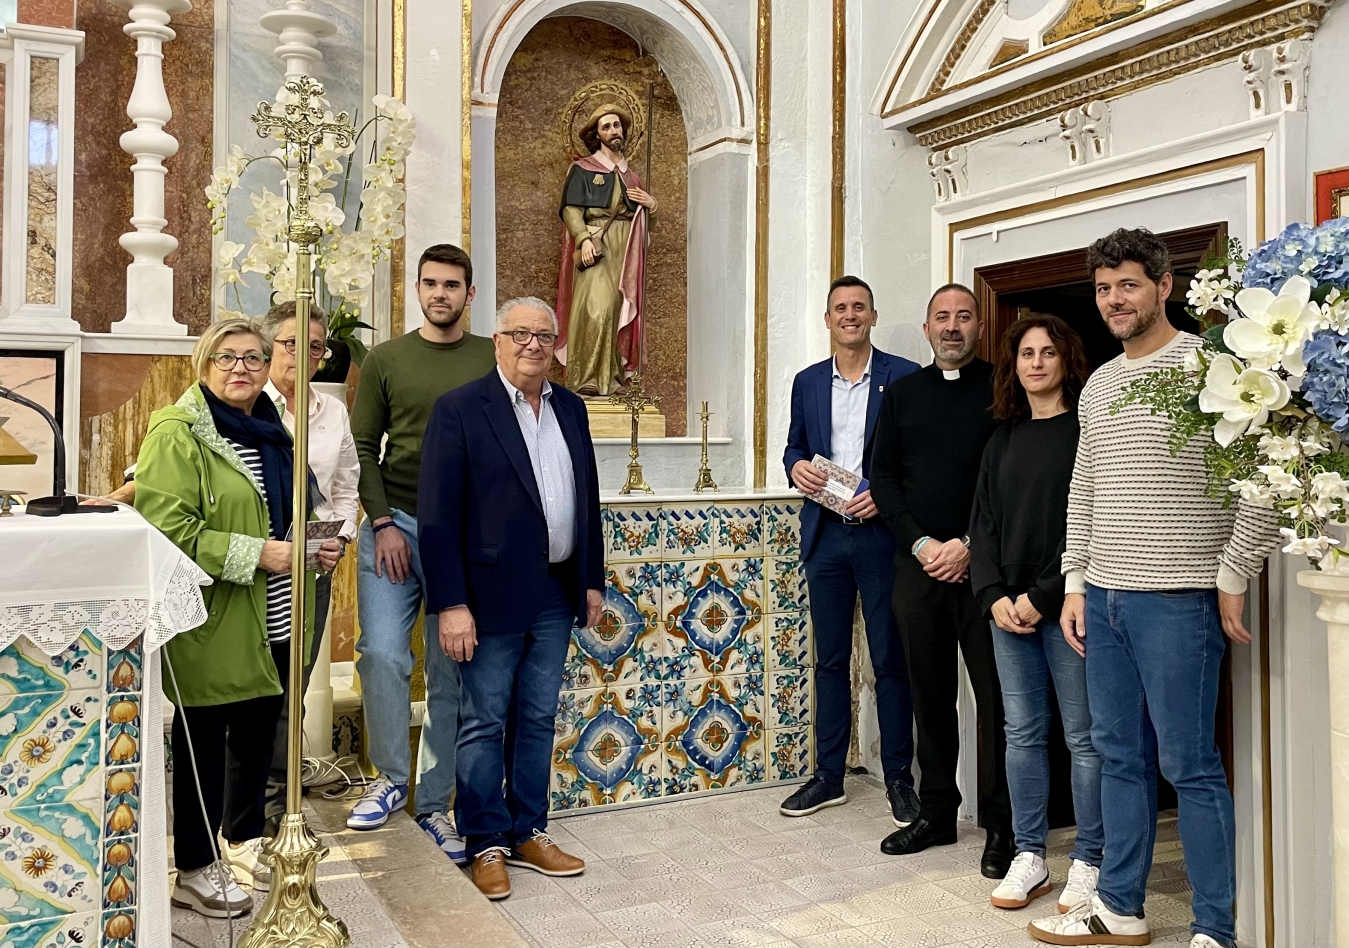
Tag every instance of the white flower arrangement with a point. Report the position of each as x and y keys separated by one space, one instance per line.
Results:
x=344 y=258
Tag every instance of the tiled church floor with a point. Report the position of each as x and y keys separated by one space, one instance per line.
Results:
x=728 y=870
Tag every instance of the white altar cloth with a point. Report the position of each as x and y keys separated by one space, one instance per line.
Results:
x=117 y=577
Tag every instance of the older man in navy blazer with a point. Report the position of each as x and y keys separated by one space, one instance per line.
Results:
x=509 y=535
x=834 y=409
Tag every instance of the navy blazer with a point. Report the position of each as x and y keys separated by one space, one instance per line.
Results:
x=811 y=430
x=481 y=531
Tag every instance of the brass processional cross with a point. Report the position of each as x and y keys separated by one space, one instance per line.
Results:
x=293 y=913
x=634 y=398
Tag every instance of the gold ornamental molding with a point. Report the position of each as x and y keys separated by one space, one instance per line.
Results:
x=763 y=80
x=962 y=42
x=1206 y=43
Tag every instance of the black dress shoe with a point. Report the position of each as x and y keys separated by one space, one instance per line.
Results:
x=917 y=836
x=999 y=850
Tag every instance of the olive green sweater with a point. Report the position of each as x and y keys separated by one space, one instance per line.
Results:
x=400 y=382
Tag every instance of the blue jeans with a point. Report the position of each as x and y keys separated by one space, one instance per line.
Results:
x=848 y=560
x=388 y=611
x=511 y=686
x=1153 y=662
x=1026 y=665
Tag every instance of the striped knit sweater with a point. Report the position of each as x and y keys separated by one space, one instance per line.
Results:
x=1138 y=517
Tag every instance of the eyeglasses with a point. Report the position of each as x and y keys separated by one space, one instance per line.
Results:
x=317 y=350
x=253 y=361
x=521 y=337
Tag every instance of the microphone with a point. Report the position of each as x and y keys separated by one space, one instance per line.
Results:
x=60 y=502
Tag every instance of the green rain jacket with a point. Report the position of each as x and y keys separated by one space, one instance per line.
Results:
x=193 y=486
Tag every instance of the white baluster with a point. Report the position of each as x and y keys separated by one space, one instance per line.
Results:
x=149 y=281
x=298 y=30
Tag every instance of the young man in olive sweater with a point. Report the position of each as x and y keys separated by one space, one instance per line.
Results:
x=400 y=382
x=929 y=440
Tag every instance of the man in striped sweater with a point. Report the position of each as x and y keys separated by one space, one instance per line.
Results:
x=1156 y=573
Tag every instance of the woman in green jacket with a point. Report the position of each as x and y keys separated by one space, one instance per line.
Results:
x=214 y=475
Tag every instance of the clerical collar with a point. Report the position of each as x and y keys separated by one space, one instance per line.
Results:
x=603 y=159
x=950 y=374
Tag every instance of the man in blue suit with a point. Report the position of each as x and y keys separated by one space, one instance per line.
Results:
x=509 y=535
x=834 y=409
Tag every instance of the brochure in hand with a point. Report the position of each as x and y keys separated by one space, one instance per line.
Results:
x=316 y=531
x=843 y=485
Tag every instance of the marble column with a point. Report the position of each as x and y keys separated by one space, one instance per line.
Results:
x=149 y=281
x=1332 y=586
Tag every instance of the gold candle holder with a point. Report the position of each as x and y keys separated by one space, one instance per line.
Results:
x=293 y=913
x=705 y=481
x=634 y=398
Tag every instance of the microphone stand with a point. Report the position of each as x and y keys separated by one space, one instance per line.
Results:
x=60 y=502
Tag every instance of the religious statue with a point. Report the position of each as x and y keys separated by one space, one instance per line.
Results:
x=600 y=287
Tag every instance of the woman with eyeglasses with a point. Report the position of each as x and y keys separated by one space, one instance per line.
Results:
x=214 y=475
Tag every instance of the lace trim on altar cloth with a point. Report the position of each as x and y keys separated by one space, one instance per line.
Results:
x=54 y=626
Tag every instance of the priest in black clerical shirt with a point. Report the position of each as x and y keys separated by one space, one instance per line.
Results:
x=929 y=439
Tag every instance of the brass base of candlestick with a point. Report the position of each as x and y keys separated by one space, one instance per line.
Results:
x=705 y=481
x=635 y=482
x=293 y=914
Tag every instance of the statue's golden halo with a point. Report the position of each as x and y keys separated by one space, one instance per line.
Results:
x=590 y=97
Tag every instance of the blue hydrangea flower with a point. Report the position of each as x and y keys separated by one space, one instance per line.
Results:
x=1326 y=384
x=1321 y=254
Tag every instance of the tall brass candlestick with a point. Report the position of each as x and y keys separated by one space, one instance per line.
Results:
x=293 y=913
x=705 y=481
x=635 y=398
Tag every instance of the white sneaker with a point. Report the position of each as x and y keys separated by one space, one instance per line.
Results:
x=1027 y=879
x=243 y=860
x=1203 y=941
x=1080 y=887
x=211 y=891
x=440 y=827
x=1091 y=923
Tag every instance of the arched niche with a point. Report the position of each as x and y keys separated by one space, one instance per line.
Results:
x=717 y=108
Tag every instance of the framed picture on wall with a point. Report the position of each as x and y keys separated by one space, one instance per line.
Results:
x=41 y=375
x=1332 y=194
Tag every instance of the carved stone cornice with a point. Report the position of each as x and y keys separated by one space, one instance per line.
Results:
x=962 y=42
x=1203 y=44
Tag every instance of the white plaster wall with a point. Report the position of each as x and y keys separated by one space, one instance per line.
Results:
x=434 y=178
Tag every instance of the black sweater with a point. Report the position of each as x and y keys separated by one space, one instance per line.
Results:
x=929 y=437
x=1021 y=511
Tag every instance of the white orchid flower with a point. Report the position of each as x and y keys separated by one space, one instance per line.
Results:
x=1278 y=448
x=229 y=270
x=1244 y=397
x=1313 y=547
x=1281 y=481
x=1275 y=327
x=1331 y=485
x=1251 y=492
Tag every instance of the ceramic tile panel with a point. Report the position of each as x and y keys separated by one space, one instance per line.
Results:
x=784 y=585
x=782 y=528
x=119 y=929
x=49 y=859
x=789 y=699
x=65 y=931
x=690 y=532
x=122 y=730
x=607 y=746
x=790 y=753
x=119 y=873
x=714 y=734
x=626 y=645
x=631 y=533
x=126 y=669
x=49 y=747
x=713 y=617
x=121 y=801
x=739 y=530
x=26 y=669
x=789 y=642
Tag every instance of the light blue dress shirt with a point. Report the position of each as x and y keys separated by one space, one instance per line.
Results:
x=551 y=460
x=848 y=418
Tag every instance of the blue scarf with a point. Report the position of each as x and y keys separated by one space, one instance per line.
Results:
x=264 y=431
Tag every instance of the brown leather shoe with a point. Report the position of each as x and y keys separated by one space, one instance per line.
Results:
x=489 y=873
x=543 y=855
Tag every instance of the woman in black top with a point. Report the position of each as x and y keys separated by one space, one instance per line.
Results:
x=1016 y=545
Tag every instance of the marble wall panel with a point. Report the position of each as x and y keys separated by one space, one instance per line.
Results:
x=46 y=12
x=557 y=58
x=110 y=441
x=103 y=186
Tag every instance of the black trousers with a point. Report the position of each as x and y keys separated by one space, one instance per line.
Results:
x=241 y=731
x=935 y=619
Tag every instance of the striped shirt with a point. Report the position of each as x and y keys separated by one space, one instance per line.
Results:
x=278 y=584
x=1138 y=516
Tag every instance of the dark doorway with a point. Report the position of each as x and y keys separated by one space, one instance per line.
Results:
x=1060 y=284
